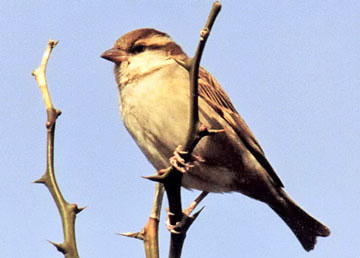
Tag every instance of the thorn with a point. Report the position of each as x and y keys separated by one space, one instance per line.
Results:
x=38 y=181
x=57 y=111
x=76 y=209
x=161 y=175
x=155 y=178
x=81 y=209
x=59 y=247
x=53 y=43
x=41 y=180
x=137 y=235
x=197 y=213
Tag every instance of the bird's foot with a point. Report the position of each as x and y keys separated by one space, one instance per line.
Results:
x=172 y=228
x=178 y=162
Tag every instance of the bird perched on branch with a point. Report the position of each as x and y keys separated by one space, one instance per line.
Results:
x=154 y=104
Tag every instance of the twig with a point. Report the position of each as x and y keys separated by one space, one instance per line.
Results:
x=40 y=74
x=67 y=210
x=149 y=234
x=195 y=203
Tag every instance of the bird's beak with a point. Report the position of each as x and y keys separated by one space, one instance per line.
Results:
x=115 y=55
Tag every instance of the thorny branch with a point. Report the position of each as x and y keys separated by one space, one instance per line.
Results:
x=149 y=233
x=67 y=210
x=194 y=135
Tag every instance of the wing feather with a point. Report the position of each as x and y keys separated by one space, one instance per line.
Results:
x=211 y=91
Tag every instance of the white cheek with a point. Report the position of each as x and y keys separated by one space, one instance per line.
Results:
x=144 y=62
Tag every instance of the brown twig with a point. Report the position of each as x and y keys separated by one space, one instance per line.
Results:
x=67 y=210
x=149 y=234
x=195 y=203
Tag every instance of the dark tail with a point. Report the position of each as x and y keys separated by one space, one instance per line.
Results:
x=305 y=227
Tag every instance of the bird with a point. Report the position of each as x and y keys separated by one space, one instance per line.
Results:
x=153 y=88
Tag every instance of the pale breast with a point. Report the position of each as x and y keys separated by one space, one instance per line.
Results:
x=156 y=113
x=155 y=110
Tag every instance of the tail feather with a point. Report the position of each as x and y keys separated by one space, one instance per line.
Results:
x=305 y=227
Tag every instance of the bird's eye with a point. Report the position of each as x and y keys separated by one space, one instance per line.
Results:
x=137 y=49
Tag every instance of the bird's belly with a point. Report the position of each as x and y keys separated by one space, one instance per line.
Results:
x=214 y=173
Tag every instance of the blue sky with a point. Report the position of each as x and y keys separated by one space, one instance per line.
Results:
x=291 y=69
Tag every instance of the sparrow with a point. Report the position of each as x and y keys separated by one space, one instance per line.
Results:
x=154 y=105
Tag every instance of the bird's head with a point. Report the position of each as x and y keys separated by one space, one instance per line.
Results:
x=141 y=42
x=142 y=50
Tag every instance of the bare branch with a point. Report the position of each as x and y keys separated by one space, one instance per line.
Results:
x=195 y=133
x=149 y=234
x=67 y=210
x=195 y=203
x=40 y=74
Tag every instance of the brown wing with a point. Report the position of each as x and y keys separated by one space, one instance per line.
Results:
x=211 y=91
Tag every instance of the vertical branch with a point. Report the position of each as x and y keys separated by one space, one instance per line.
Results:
x=67 y=211
x=194 y=75
x=150 y=234
x=173 y=182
